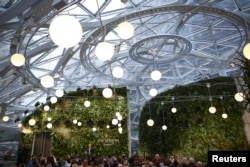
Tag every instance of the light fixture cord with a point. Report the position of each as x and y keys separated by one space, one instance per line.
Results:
x=149 y=110
x=210 y=98
x=222 y=104
x=163 y=112
x=100 y=19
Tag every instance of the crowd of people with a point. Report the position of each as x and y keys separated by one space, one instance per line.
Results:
x=90 y=160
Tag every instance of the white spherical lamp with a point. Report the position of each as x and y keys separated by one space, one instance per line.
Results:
x=19 y=125
x=79 y=123
x=32 y=122
x=246 y=51
x=125 y=30
x=75 y=121
x=153 y=92
x=117 y=72
x=164 y=127
x=49 y=125
x=49 y=118
x=104 y=51
x=156 y=75
x=114 y=121
x=119 y=117
x=107 y=126
x=173 y=110
x=212 y=110
x=94 y=129
x=6 y=118
x=120 y=130
x=107 y=93
x=87 y=103
x=65 y=31
x=150 y=122
x=17 y=60
x=53 y=99
x=47 y=81
x=224 y=115
x=59 y=93
x=239 y=97
x=46 y=108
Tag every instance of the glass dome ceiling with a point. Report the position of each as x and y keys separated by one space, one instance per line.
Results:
x=186 y=40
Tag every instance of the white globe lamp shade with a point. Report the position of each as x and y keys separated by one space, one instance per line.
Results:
x=117 y=72
x=212 y=110
x=74 y=121
x=32 y=122
x=47 y=81
x=49 y=125
x=120 y=130
x=49 y=118
x=6 y=118
x=104 y=51
x=17 y=60
x=119 y=124
x=19 y=125
x=107 y=93
x=239 y=97
x=79 y=123
x=107 y=126
x=119 y=117
x=46 y=108
x=87 y=103
x=156 y=75
x=125 y=30
x=114 y=121
x=59 y=93
x=173 y=110
x=164 y=127
x=153 y=92
x=150 y=122
x=94 y=129
x=65 y=31
x=224 y=115
x=246 y=51
x=53 y=99
x=117 y=114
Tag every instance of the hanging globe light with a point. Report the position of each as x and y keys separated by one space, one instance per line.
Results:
x=119 y=124
x=6 y=118
x=94 y=129
x=246 y=51
x=79 y=123
x=46 y=108
x=19 y=125
x=114 y=121
x=49 y=125
x=17 y=60
x=74 y=121
x=164 y=127
x=173 y=110
x=125 y=30
x=150 y=122
x=224 y=115
x=117 y=114
x=120 y=130
x=65 y=31
x=212 y=110
x=107 y=126
x=87 y=103
x=47 y=81
x=153 y=92
x=32 y=122
x=156 y=75
x=53 y=99
x=49 y=119
x=59 y=93
x=117 y=72
x=104 y=51
x=119 y=117
x=107 y=93
x=239 y=97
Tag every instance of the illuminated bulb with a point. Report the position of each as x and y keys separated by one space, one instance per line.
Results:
x=156 y=75
x=212 y=110
x=87 y=103
x=53 y=99
x=74 y=121
x=119 y=117
x=107 y=126
x=17 y=59
x=46 y=108
x=246 y=51
x=107 y=92
x=150 y=122
x=19 y=125
x=117 y=72
x=239 y=97
x=59 y=93
x=5 y=118
x=119 y=124
x=224 y=115
x=49 y=125
x=79 y=123
x=49 y=119
x=173 y=110
x=104 y=51
x=47 y=81
x=114 y=121
x=117 y=114
x=94 y=129
x=164 y=127
x=65 y=31
x=120 y=130
x=125 y=30
x=153 y=92
x=32 y=122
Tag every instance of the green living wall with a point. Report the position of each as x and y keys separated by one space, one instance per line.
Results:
x=68 y=138
x=192 y=130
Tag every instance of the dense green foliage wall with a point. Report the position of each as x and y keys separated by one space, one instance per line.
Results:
x=71 y=139
x=192 y=130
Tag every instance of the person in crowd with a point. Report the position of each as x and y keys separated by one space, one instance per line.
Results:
x=198 y=164
x=157 y=161
x=172 y=161
x=90 y=153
